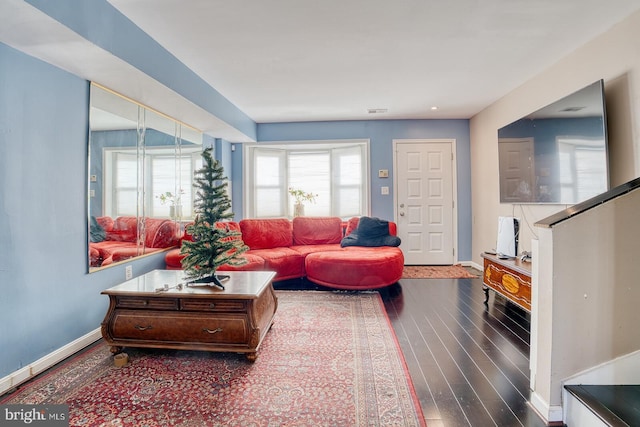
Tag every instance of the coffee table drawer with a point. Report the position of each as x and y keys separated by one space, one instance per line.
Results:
x=147 y=303
x=210 y=305
x=180 y=327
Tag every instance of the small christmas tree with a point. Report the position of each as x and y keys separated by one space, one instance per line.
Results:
x=213 y=245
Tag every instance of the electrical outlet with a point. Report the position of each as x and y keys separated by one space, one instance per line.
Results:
x=128 y=272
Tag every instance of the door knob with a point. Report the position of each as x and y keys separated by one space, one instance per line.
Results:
x=402 y=205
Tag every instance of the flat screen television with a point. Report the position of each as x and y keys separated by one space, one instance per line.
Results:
x=557 y=154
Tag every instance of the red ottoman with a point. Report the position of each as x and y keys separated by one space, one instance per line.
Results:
x=356 y=267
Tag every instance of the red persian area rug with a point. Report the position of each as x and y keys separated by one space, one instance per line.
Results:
x=330 y=359
x=436 y=272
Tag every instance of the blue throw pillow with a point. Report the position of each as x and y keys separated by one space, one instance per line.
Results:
x=96 y=232
x=371 y=232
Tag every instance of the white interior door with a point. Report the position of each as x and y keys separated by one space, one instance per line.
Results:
x=517 y=182
x=425 y=201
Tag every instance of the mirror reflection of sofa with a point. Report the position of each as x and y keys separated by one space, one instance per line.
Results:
x=114 y=240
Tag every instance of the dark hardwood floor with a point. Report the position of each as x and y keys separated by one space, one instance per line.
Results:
x=469 y=362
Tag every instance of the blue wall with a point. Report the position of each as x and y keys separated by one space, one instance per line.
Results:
x=381 y=134
x=47 y=299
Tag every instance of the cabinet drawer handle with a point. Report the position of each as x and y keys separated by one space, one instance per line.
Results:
x=143 y=328
x=212 y=331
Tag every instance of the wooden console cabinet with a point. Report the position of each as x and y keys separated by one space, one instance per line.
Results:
x=510 y=278
x=143 y=314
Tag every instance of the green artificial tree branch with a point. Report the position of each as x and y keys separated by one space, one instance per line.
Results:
x=214 y=244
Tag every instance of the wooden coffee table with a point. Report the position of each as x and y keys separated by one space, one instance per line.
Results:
x=143 y=314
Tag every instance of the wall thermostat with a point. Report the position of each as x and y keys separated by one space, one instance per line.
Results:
x=383 y=173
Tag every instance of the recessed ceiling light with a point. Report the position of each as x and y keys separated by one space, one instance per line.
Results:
x=434 y=108
x=376 y=110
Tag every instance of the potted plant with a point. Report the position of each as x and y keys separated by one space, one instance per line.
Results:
x=301 y=196
x=212 y=246
x=175 y=207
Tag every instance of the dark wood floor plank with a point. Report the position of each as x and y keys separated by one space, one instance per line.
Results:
x=416 y=363
x=446 y=407
x=476 y=388
x=506 y=351
x=495 y=365
x=469 y=361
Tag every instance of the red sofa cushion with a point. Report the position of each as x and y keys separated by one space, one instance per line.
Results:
x=106 y=222
x=254 y=263
x=230 y=226
x=310 y=249
x=94 y=256
x=161 y=233
x=316 y=230
x=267 y=233
x=125 y=229
x=173 y=260
x=352 y=224
x=287 y=263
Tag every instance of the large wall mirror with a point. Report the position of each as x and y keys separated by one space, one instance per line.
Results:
x=140 y=176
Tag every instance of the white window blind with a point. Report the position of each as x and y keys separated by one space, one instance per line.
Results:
x=311 y=172
x=123 y=194
x=349 y=182
x=166 y=171
x=582 y=171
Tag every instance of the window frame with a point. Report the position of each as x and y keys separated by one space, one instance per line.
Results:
x=331 y=146
x=110 y=159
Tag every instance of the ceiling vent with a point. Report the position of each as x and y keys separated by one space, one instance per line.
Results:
x=377 y=110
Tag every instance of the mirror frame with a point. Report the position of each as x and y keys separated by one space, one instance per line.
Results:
x=139 y=179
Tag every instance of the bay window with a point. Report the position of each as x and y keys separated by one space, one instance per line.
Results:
x=335 y=171
x=163 y=169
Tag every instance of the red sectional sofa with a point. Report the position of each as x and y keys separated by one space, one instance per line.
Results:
x=310 y=247
x=120 y=239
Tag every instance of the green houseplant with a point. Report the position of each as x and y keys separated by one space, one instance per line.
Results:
x=212 y=246
x=300 y=197
x=175 y=203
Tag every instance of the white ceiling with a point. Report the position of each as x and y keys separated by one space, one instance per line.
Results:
x=302 y=60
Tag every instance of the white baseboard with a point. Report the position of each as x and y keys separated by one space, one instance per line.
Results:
x=21 y=375
x=472 y=264
x=549 y=413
